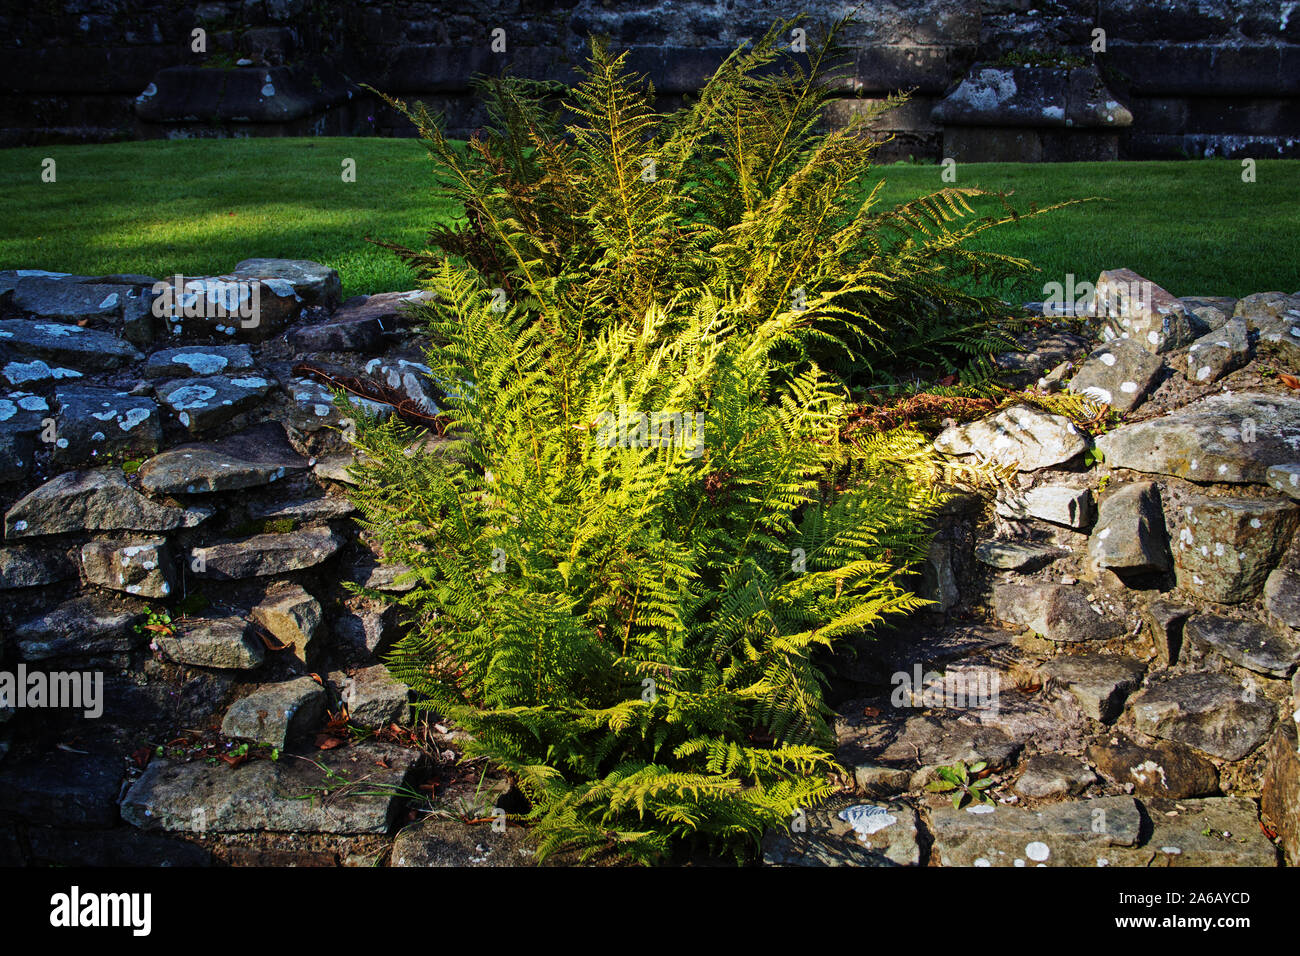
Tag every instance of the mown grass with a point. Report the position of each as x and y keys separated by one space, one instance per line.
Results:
x=199 y=206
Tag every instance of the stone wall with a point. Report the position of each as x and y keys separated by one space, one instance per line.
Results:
x=1199 y=77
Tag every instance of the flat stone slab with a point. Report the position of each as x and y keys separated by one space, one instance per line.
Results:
x=94 y=500
x=1059 y=504
x=349 y=792
x=847 y=832
x=1119 y=374
x=311 y=282
x=919 y=743
x=18 y=373
x=1101 y=683
x=257 y=456
x=1074 y=833
x=1054 y=775
x=1211 y=832
x=1018 y=555
x=98 y=423
x=323 y=508
x=203 y=403
x=276 y=714
x=359 y=325
x=198 y=360
x=1058 y=612
x=226 y=643
x=1247 y=644
x=1222 y=438
x=1021 y=435
x=62 y=789
x=1214 y=355
x=1163 y=769
x=86 y=626
x=265 y=554
x=66 y=345
x=1208 y=711
x=374 y=697
x=64 y=301
x=27 y=566
x=441 y=842
x=145 y=568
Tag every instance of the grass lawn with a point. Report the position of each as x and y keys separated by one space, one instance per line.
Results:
x=199 y=206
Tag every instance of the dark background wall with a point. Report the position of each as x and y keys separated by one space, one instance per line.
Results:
x=1200 y=77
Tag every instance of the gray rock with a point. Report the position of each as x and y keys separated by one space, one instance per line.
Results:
x=1262 y=306
x=99 y=423
x=86 y=626
x=293 y=617
x=266 y=554
x=67 y=345
x=275 y=714
x=1213 y=356
x=63 y=789
x=144 y=568
x=369 y=572
x=371 y=632
x=1101 y=683
x=225 y=642
x=201 y=404
x=257 y=456
x=26 y=374
x=374 y=698
x=1284 y=478
x=1119 y=374
x=96 y=500
x=345 y=790
x=1165 y=620
x=881 y=781
x=442 y=842
x=230 y=307
x=198 y=360
x=1222 y=438
x=1281 y=597
x=845 y=832
x=311 y=282
x=1162 y=769
x=1212 y=832
x=25 y=566
x=410 y=378
x=359 y=325
x=17 y=448
x=1247 y=644
x=1059 y=504
x=1281 y=787
x=1074 y=833
x=1058 y=612
x=1053 y=775
x=323 y=508
x=1137 y=309
x=1279 y=339
x=1210 y=712
x=335 y=468
x=1018 y=555
x=314 y=408
x=1021 y=435
x=920 y=743
x=938 y=577
x=1227 y=546
x=1207 y=313
x=1130 y=532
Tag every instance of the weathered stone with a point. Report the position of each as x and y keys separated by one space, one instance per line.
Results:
x=319 y=795
x=1282 y=597
x=442 y=842
x=1207 y=313
x=1165 y=620
x=310 y=282
x=231 y=307
x=1018 y=555
x=1284 y=478
x=1059 y=504
x=17 y=447
x=1227 y=546
x=200 y=404
x=1028 y=96
x=1054 y=775
x=1130 y=534
x=18 y=373
x=86 y=626
x=67 y=345
x=1222 y=438
x=1041 y=350
x=1075 y=833
x=25 y=566
x=843 y=832
x=1139 y=310
x=1266 y=305
x=225 y=642
x=374 y=698
x=1211 y=832
x=1119 y=374
x=335 y=468
x=1101 y=683
x=1162 y=769
x=323 y=508
x=410 y=378
x=314 y=408
x=881 y=781
x=1248 y=644
x=266 y=554
x=143 y=568
x=59 y=300
x=1281 y=796
x=1020 y=435
x=62 y=789
x=371 y=632
x=198 y=360
x=1213 y=356
x=359 y=325
x=938 y=577
x=293 y=617
x=920 y=743
x=1210 y=712
x=97 y=500
x=99 y=423
x=1059 y=612
x=256 y=456
x=1279 y=340
x=275 y=714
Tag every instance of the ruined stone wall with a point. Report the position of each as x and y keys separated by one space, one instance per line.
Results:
x=1200 y=77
